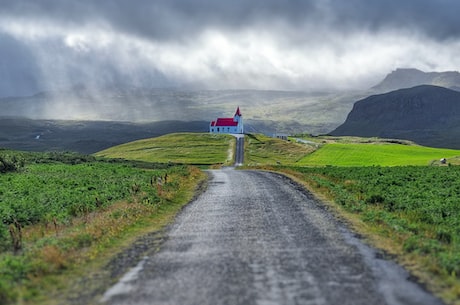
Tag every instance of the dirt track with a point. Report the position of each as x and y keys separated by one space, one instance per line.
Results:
x=258 y=238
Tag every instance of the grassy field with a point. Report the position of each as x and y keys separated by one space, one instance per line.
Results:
x=61 y=213
x=410 y=211
x=185 y=148
x=264 y=150
x=395 y=192
x=379 y=154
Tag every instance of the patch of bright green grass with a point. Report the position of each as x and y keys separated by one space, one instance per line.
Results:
x=187 y=148
x=340 y=154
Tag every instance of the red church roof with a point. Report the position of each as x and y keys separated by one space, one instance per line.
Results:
x=227 y=122
x=224 y=122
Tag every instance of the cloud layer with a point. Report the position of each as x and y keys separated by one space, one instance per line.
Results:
x=262 y=44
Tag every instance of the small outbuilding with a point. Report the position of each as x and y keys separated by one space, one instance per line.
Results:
x=281 y=136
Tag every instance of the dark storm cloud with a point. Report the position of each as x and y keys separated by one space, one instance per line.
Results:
x=18 y=69
x=264 y=44
x=437 y=19
x=177 y=19
x=161 y=19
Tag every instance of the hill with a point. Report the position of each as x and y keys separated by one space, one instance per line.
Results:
x=209 y=149
x=427 y=115
x=408 y=78
x=187 y=148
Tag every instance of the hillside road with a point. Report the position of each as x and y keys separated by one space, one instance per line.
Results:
x=258 y=238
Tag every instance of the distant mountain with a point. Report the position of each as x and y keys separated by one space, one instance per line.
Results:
x=428 y=115
x=408 y=78
x=269 y=111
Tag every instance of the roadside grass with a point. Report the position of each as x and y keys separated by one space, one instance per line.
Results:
x=183 y=148
x=375 y=154
x=395 y=193
x=263 y=150
x=411 y=212
x=62 y=215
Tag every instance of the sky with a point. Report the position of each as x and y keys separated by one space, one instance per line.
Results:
x=219 y=44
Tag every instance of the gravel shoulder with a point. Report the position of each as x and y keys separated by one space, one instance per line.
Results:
x=259 y=238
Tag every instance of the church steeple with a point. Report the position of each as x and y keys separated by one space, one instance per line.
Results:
x=239 y=119
x=238 y=113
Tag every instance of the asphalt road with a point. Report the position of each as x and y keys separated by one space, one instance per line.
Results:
x=258 y=238
x=239 y=155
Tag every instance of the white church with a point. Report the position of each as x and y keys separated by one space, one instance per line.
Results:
x=228 y=125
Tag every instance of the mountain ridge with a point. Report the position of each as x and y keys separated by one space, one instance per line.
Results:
x=409 y=77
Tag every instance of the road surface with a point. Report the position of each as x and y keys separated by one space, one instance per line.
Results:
x=239 y=151
x=258 y=238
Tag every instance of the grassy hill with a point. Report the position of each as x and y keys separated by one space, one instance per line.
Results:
x=187 y=148
x=206 y=149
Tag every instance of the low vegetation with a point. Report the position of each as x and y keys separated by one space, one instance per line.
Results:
x=396 y=193
x=184 y=148
x=10 y=163
x=415 y=207
x=59 y=212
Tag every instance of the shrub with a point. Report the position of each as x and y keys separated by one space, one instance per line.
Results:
x=375 y=198
x=10 y=164
x=444 y=236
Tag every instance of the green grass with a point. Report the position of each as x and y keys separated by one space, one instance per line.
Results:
x=264 y=150
x=185 y=148
x=353 y=154
x=414 y=207
x=61 y=212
